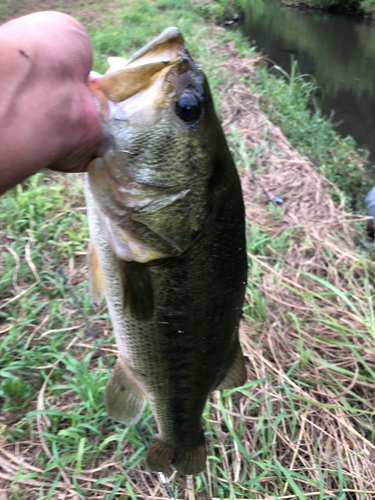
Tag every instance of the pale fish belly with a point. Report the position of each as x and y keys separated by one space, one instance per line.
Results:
x=146 y=370
x=112 y=286
x=136 y=340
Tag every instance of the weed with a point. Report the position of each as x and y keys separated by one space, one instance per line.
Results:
x=299 y=427
x=290 y=103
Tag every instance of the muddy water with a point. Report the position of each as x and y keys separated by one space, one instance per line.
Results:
x=338 y=50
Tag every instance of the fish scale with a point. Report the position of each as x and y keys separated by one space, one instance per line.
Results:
x=173 y=267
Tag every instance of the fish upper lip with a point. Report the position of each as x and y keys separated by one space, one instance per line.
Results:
x=141 y=70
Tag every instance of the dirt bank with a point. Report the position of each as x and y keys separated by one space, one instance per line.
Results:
x=304 y=425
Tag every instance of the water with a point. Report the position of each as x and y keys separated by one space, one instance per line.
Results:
x=338 y=50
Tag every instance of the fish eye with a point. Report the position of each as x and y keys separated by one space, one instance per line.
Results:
x=188 y=107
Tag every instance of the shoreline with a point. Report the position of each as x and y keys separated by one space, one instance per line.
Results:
x=305 y=417
x=334 y=8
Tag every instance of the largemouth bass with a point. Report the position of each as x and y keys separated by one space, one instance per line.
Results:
x=167 y=247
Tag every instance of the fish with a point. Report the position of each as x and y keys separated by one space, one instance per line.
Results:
x=167 y=246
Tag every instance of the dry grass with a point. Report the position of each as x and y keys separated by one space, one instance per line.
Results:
x=88 y=9
x=305 y=427
x=321 y=242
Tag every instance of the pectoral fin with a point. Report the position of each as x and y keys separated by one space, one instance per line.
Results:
x=236 y=375
x=137 y=289
x=177 y=218
x=95 y=276
x=124 y=401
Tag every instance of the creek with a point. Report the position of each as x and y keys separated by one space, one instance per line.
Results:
x=337 y=50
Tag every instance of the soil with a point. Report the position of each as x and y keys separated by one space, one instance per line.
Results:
x=9 y=9
x=321 y=243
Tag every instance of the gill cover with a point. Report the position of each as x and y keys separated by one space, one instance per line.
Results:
x=127 y=185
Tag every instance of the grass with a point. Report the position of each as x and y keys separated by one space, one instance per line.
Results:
x=291 y=103
x=303 y=426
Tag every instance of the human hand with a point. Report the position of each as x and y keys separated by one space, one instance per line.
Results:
x=48 y=117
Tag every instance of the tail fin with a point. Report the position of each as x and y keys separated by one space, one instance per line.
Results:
x=188 y=461
x=159 y=455
x=191 y=461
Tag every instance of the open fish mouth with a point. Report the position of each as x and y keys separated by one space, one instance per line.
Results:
x=168 y=248
x=151 y=105
x=136 y=89
x=140 y=71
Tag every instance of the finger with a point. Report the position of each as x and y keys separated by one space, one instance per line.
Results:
x=61 y=39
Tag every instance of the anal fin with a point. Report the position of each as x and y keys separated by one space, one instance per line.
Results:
x=236 y=375
x=95 y=275
x=124 y=400
x=189 y=461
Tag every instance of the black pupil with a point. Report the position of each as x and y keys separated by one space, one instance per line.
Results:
x=188 y=107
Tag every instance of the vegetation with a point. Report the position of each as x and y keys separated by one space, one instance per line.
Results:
x=335 y=63
x=303 y=426
x=288 y=100
x=352 y=7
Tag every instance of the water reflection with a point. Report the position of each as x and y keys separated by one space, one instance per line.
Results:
x=339 y=51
